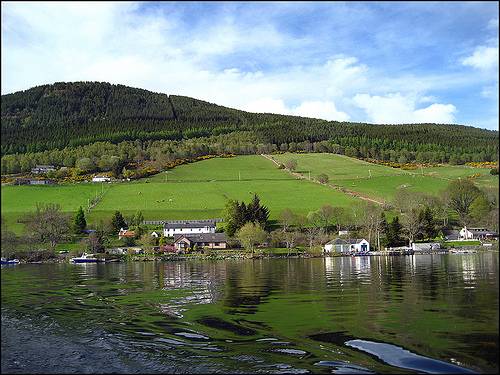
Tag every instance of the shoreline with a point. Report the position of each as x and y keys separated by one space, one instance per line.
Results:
x=244 y=255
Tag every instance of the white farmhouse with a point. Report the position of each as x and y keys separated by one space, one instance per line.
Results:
x=101 y=179
x=173 y=228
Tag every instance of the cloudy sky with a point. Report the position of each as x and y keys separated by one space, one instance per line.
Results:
x=364 y=62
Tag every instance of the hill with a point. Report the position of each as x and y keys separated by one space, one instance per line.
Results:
x=72 y=114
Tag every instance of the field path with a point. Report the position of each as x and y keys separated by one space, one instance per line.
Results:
x=332 y=186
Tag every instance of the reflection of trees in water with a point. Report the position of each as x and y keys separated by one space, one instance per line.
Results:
x=250 y=283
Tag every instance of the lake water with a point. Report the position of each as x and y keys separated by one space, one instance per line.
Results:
x=425 y=313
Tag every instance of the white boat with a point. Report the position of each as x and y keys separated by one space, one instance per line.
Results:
x=85 y=258
x=462 y=251
x=10 y=261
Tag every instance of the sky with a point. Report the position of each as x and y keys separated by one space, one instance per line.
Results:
x=376 y=62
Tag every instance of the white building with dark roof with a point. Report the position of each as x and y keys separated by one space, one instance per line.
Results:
x=187 y=227
x=476 y=234
x=350 y=245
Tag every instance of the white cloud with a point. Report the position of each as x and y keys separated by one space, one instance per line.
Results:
x=44 y=42
x=483 y=58
x=317 y=109
x=399 y=109
x=436 y=113
x=493 y=24
x=267 y=105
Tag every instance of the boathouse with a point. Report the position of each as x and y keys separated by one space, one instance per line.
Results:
x=340 y=245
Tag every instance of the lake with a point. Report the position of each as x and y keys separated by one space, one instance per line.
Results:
x=401 y=314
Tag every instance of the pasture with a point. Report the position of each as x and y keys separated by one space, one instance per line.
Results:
x=19 y=200
x=381 y=182
x=200 y=190
x=193 y=191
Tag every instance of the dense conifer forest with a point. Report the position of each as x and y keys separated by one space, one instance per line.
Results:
x=67 y=116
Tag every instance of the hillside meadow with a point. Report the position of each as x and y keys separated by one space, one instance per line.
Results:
x=200 y=190
x=379 y=181
x=193 y=191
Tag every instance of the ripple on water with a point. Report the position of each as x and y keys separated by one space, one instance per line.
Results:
x=399 y=357
x=341 y=367
x=290 y=351
x=194 y=336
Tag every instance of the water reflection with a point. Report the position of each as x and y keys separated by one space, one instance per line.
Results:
x=469 y=270
x=296 y=313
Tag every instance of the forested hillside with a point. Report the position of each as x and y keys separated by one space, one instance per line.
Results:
x=65 y=115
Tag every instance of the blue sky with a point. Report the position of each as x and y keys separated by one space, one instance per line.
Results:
x=379 y=62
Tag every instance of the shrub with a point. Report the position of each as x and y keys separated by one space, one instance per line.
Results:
x=323 y=178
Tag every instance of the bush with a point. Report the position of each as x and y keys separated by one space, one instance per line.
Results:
x=494 y=171
x=323 y=178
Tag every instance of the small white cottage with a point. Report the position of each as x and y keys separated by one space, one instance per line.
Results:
x=340 y=245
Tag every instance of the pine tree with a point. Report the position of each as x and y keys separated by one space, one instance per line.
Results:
x=253 y=209
x=242 y=215
x=394 y=233
x=428 y=223
x=384 y=229
x=263 y=217
x=79 y=223
x=117 y=222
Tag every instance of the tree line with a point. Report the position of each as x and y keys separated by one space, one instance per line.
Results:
x=56 y=116
x=108 y=156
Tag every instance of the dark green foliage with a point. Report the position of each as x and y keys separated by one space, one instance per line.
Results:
x=73 y=114
x=428 y=223
x=79 y=223
x=118 y=222
x=128 y=241
x=393 y=233
x=494 y=171
x=237 y=214
x=257 y=213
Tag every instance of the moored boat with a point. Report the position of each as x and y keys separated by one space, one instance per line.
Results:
x=85 y=258
x=9 y=261
x=462 y=251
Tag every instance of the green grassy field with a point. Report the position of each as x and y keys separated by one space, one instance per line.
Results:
x=193 y=191
x=18 y=200
x=381 y=182
x=200 y=190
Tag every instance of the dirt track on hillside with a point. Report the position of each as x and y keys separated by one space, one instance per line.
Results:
x=332 y=186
